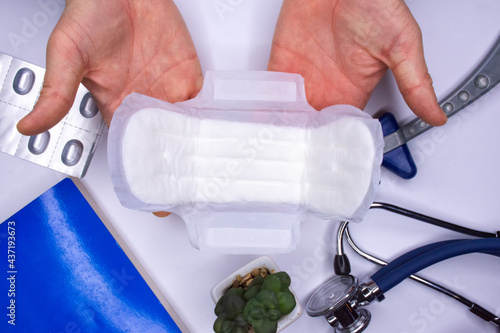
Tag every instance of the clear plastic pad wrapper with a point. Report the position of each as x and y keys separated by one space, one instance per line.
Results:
x=245 y=161
x=69 y=146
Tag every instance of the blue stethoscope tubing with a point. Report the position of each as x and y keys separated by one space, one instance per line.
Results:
x=412 y=262
x=407 y=264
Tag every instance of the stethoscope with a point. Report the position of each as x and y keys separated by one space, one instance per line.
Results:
x=340 y=299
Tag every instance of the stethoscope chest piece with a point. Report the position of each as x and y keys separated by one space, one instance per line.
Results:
x=336 y=300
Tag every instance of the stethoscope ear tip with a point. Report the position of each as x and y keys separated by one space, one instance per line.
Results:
x=341 y=264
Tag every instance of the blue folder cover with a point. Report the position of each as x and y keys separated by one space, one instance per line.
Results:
x=62 y=271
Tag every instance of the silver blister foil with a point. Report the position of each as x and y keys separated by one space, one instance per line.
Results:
x=69 y=146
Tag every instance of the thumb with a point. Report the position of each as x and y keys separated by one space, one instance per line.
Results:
x=161 y=214
x=63 y=75
x=415 y=84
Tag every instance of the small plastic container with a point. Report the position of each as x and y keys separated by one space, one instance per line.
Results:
x=264 y=261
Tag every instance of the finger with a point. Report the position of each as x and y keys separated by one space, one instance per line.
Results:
x=64 y=73
x=161 y=214
x=415 y=84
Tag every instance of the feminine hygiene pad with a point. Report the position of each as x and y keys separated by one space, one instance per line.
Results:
x=245 y=161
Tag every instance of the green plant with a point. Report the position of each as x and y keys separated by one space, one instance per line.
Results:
x=257 y=305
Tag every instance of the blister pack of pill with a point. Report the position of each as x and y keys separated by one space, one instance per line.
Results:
x=69 y=146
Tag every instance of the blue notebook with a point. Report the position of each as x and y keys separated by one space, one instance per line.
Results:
x=63 y=271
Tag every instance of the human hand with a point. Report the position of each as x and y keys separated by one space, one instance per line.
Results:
x=342 y=48
x=115 y=47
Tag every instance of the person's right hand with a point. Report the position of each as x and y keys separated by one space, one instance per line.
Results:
x=115 y=47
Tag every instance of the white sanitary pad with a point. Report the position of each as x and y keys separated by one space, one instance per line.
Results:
x=245 y=161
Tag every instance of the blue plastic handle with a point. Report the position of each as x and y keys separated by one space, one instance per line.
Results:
x=398 y=160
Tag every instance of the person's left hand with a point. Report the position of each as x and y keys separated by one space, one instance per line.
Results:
x=342 y=48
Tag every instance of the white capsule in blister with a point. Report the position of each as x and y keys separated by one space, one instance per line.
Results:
x=37 y=144
x=72 y=152
x=88 y=108
x=23 y=81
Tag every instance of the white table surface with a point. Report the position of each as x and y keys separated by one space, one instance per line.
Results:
x=458 y=177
